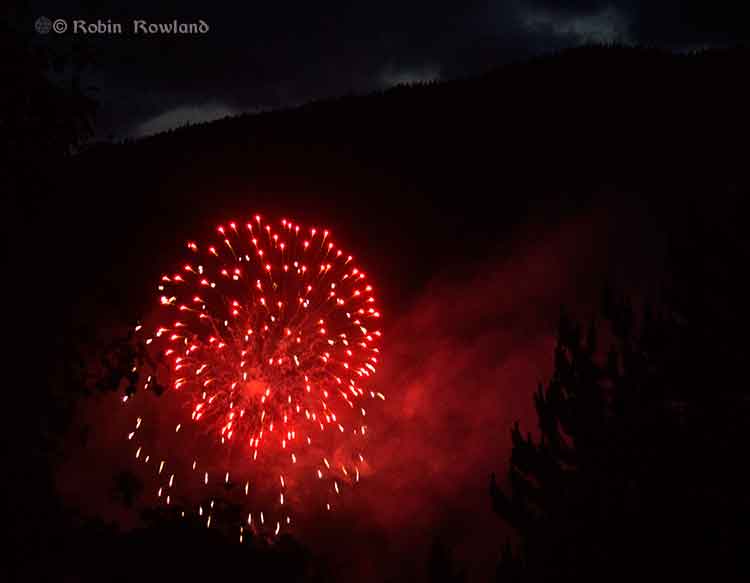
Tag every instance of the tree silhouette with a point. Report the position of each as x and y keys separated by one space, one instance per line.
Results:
x=628 y=472
x=45 y=115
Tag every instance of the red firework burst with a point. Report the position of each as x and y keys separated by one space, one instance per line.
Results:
x=267 y=340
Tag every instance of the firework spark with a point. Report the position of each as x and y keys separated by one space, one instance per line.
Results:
x=268 y=340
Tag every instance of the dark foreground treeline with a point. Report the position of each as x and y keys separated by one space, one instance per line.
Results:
x=636 y=468
x=638 y=464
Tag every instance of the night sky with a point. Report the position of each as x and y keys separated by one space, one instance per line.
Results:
x=260 y=56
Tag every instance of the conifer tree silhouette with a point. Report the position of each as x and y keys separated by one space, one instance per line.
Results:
x=615 y=484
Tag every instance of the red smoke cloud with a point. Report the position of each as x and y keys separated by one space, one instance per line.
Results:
x=459 y=368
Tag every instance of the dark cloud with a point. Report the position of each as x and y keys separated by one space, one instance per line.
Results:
x=678 y=23
x=670 y=23
x=274 y=54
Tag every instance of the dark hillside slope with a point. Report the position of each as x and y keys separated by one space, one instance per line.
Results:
x=465 y=156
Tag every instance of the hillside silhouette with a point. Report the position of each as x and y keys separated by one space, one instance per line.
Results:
x=468 y=156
